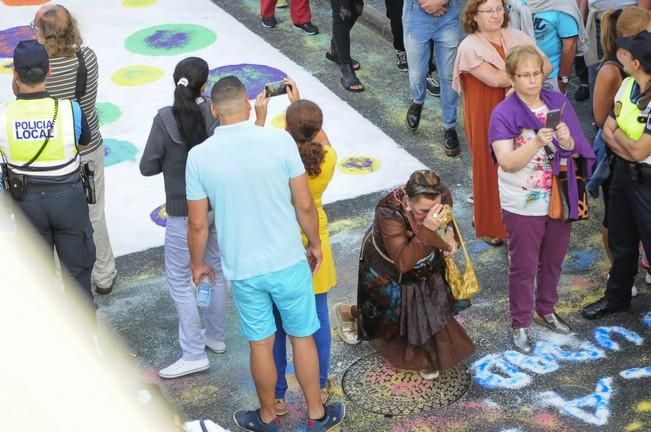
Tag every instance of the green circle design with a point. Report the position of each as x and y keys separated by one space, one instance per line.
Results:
x=170 y=39
x=137 y=3
x=107 y=112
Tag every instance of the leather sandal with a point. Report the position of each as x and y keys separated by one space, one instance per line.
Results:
x=334 y=57
x=349 y=79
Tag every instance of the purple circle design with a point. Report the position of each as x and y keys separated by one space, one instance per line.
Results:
x=253 y=76
x=165 y=39
x=159 y=216
x=10 y=37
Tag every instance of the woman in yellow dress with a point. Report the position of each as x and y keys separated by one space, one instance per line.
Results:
x=303 y=121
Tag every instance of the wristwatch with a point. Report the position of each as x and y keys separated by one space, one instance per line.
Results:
x=564 y=79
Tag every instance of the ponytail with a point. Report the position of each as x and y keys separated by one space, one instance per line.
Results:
x=190 y=75
x=609 y=33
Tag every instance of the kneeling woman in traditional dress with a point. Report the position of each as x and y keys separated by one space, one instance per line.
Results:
x=404 y=308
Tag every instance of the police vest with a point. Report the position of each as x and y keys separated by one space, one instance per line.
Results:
x=25 y=124
x=627 y=112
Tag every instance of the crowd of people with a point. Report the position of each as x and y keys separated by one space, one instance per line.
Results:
x=532 y=169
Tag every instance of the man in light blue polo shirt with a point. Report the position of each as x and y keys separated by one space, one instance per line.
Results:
x=255 y=181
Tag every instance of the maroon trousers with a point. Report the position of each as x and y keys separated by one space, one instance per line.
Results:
x=537 y=248
x=299 y=10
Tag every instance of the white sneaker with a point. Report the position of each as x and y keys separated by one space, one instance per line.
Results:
x=647 y=278
x=183 y=367
x=428 y=374
x=215 y=346
x=633 y=291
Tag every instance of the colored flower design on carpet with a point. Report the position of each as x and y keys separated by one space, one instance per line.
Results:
x=137 y=75
x=24 y=2
x=170 y=39
x=107 y=112
x=138 y=3
x=253 y=76
x=358 y=165
x=159 y=216
x=116 y=151
x=10 y=37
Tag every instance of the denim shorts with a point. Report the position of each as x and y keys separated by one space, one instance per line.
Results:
x=289 y=289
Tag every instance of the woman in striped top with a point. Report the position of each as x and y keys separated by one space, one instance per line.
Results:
x=73 y=75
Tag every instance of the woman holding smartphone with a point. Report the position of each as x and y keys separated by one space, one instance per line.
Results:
x=531 y=146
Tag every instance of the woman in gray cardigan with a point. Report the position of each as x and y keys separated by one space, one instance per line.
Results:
x=176 y=129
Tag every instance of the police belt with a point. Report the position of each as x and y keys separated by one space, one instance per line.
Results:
x=640 y=172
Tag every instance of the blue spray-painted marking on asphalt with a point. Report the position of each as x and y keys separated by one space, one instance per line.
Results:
x=636 y=373
x=587 y=352
x=603 y=337
x=647 y=319
x=599 y=401
x=484 y=375
x=534 y=363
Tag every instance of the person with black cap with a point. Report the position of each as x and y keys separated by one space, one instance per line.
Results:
x=627 y=132
x=40 y=139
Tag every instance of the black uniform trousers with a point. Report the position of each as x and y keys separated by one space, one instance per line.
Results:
x=629 y=222
x=59 y=213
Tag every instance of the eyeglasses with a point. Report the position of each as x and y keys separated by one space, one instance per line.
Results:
x=498 y=11
x=529 y=75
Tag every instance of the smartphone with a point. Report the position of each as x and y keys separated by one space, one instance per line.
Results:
x=553 y=118
x=275 y=88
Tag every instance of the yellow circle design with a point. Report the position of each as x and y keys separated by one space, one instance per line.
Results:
x=6 y=67
x=132 y=76
x=644 y=407
x=279 y=121
x=137 y=3
x=358 y=165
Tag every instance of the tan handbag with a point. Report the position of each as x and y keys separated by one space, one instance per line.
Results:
x=464 y=285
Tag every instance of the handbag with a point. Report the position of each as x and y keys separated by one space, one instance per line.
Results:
x=559 y=201
x=463 y=285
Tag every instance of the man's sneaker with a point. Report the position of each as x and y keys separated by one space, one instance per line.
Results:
x=647 y=278
x=215 y=346
x=401 y=61
x=251 y=421
x=269 y=22
x=433 y=86
x=451 y=142
x=634 y=291
x=308 y=28
x=281 y=4
x=334 y=414
x=183 y=367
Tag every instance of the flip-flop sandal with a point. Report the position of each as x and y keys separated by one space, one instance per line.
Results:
x=335 y=59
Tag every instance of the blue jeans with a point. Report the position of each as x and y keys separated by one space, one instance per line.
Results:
x=321 y=339
x=421 y=30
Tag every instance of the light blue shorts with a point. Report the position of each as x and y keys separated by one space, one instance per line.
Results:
x=292 y=293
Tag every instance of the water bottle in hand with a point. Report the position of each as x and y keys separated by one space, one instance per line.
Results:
x=204 y=292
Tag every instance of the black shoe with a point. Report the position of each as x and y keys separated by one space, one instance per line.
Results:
x=401 y=61
x=433 y=86
x=451 y=142
x=308 y=28
x=104 y=291
x=413 y=115
x=601 y=308
x=583 y=93
x=269 y=22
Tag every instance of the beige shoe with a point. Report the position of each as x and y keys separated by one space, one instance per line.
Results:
x=428 y=374
x=347 y=330
x=552 y=322
x=281 y=407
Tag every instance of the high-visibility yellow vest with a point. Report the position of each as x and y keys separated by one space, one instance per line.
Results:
x=627 y=112
x=24 y=126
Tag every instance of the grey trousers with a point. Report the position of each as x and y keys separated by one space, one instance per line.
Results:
x=104 y=269
x=192 y=335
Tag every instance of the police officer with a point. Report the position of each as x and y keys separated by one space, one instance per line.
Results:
x=628 y=134
x=40 y=138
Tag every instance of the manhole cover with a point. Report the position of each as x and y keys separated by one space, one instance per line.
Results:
x=374 y=385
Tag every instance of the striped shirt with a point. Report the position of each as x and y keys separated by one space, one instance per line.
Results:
x=61 y=84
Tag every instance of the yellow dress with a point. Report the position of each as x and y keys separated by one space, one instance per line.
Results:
x=326 y=277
